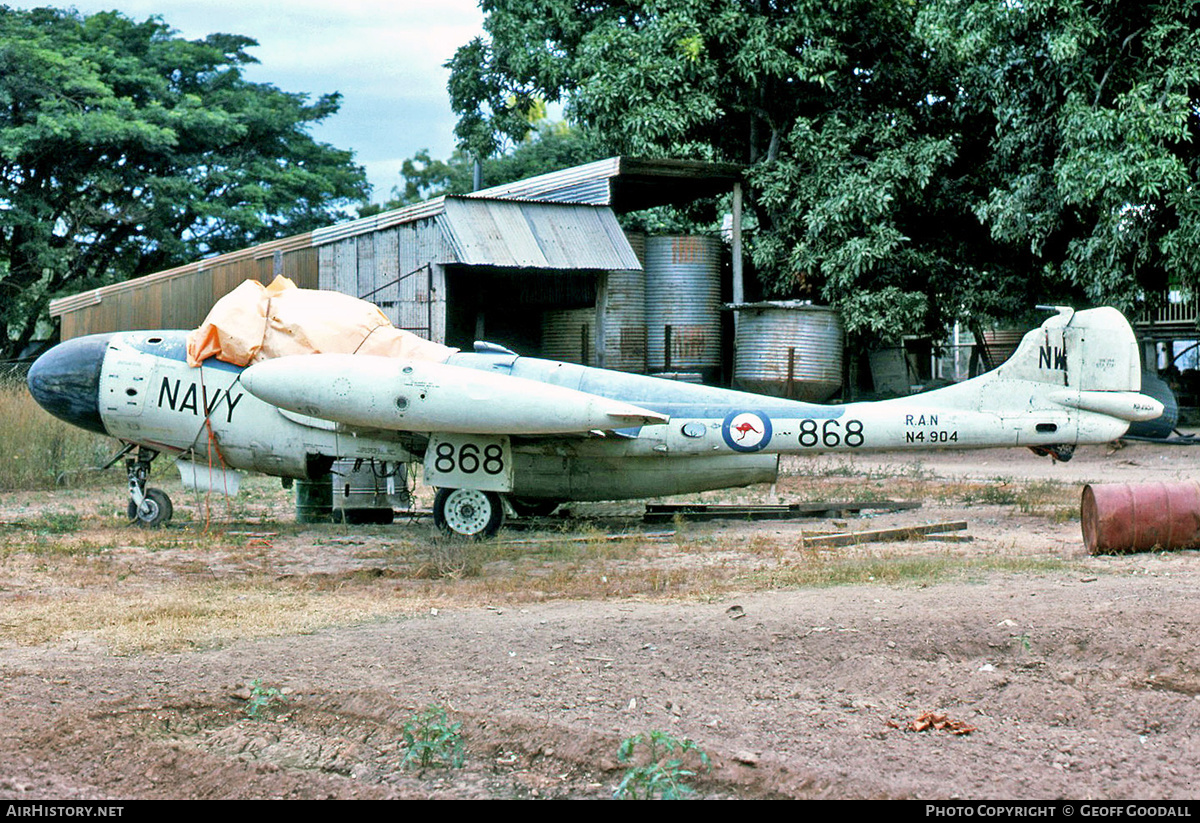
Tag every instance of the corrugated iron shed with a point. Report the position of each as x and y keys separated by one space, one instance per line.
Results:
x=556 y=222
x=474 y=232
x=507 y=234
x=180 y=297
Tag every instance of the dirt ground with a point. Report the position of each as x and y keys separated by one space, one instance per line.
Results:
x=127 y=658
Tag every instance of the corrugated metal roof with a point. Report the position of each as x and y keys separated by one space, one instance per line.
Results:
x=624 y=183
x=580 y=184
x=378 y=222
x=510 y=234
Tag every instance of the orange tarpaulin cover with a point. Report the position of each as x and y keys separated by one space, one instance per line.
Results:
x=256 y=322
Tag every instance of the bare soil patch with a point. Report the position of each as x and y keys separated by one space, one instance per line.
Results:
x=127 y=657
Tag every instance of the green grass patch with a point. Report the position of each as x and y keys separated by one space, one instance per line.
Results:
x=49 y=523
x=819 y=571
x=66 y=548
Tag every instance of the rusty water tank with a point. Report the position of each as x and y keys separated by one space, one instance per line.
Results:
x=625 y=315
x=570 y=334
x=637 y=242
x=683 y=304
x=624 y=296
x=1137 y=517
x=789 y=349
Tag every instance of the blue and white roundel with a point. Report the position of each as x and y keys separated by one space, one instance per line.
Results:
x=746 y=431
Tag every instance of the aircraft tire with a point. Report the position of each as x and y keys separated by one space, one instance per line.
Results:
x=467 y=512
x=156 y=510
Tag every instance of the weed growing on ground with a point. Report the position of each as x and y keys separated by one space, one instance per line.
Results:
x=46 y=523
x=814 y=569
x=669 y=763
x=41 y=547
x=263 y=699
x=449 y=558
x=432 y=740
x=999 y=492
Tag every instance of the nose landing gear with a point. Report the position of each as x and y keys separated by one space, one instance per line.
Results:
x=148 y=508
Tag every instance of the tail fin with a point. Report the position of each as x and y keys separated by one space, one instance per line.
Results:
x=1076 y=379
x=1093 y=356
x=1089 y=351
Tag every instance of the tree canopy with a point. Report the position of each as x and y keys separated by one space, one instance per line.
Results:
x=125 y=149
x=1092 y=162
x=549 y=146
x=909 y=163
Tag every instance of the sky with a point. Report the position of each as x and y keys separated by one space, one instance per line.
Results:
x=384 y=56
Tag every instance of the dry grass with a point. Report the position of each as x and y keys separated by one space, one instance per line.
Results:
x=133 y=591
x=38 y=451
x=186 y=615
x=72 y=571
x=1040 y=497
x=898 y=568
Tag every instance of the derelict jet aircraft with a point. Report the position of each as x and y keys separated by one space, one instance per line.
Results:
x=493 y=429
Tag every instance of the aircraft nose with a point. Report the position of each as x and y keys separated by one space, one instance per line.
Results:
x=65 y=381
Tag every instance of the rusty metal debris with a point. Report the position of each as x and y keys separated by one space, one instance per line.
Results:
x=935 y=722
x=664 y=512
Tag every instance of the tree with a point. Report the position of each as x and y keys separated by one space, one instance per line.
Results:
x=1094 y=161
x=550 y=146
x=826 y=102
x=125 y=150
x=909 y=163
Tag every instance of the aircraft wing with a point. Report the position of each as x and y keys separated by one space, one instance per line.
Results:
x=417 y=396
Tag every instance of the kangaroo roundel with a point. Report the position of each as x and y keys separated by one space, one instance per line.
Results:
x=746 y=431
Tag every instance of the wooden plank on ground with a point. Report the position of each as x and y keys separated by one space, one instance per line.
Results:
x=664 y=512
x=883 y=535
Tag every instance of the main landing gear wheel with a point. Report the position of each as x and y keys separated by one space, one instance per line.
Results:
x=155 y=511
x=467 y=512
x=1061 y=453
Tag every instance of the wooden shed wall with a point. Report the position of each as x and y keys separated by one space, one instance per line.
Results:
x=181 y=298
x=391 y=268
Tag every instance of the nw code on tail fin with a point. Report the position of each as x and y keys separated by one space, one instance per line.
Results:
x=1091 y=350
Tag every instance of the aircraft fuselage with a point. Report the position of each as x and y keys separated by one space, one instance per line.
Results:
x=539 y=429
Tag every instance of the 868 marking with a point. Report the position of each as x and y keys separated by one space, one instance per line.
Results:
x=469 y=459
x=831 y=433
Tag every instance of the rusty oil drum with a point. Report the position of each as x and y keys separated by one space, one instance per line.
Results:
x=1135 y=517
